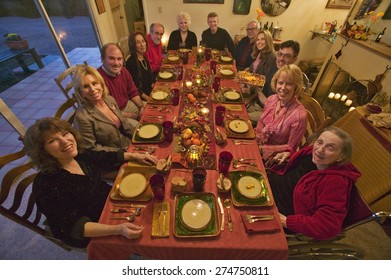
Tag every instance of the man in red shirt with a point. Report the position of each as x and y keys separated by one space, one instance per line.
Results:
x=119 y=82
x=154 y=53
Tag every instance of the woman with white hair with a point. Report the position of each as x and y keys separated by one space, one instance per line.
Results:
x=183 y=37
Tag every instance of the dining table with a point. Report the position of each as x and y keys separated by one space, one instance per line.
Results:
x=242 y=243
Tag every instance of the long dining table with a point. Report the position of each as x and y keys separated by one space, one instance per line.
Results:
x=236 y=244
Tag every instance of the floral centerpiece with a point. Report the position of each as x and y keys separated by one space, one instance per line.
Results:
x=361 y=31
x=260 y=15
x=15 y=41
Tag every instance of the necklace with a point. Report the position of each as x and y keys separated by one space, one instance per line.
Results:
x=144 y=64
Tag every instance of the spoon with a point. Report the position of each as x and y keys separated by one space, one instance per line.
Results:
x=227 y=203
x=129 y=218
x=243 y=164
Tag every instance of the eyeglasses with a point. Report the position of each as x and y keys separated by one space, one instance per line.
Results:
x=251 y=29
x=157 y=33
x=284 y=55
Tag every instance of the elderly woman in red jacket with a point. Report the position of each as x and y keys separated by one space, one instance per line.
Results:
x=318 y=203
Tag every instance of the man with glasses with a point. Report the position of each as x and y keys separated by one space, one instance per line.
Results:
x=215 y=37
x=243 y=50
x=287 y=54
x=154 y=53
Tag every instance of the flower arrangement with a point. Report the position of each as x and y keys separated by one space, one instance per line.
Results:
x=374 y=19
x=15 y=41
x=260 y=15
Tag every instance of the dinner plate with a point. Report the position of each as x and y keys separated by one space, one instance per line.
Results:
x=231 y=95
x=196 y=214
x=132 y=185
x=215 y=51
x=239 y=126
x=226 y=72
x=249 y=187
x=226 y=58
x=173 y=58
x=159 y=95
x=165 y=75
x=148 y=131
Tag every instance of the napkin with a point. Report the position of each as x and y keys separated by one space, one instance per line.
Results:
x=261 y=226
x=161 y=220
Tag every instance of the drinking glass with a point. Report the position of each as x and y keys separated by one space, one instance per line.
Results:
x=199 y=178
x=168 y=130
x=216 y=84
x=185 y=58
x=213 y=65
x=157 y=183
x=208 y=54
x=225 y=159
x=175 y=96
x=219 y=115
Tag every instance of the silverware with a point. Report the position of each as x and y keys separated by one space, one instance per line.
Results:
x=131 y=205
x=162 y=224
x=136 y=211
x=243 y=159
x=242 y=142
x=129 y=218
x=227 y=203
x=244 y=164
x=250 y=217
x=259 y=219
x=222 y=213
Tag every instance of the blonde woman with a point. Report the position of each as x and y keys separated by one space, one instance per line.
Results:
x=99 y=120
x=182 y=37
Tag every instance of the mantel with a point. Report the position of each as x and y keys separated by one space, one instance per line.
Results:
x=380 y=48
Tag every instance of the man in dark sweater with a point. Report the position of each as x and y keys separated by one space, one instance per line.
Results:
x=215 y=37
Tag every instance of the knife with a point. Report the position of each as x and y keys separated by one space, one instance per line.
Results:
x=222 y=213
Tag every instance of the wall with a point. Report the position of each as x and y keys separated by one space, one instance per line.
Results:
x=297 y=20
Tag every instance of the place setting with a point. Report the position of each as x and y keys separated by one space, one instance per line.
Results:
x=160 y=96
x=225 y=72
x=148 y=133
x=239 y=128
x=229 y=95
x=166 y=75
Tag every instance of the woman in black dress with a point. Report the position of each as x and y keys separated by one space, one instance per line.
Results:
x=182 y=38
x=138 y=65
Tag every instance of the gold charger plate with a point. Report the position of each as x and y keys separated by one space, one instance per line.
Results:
x=249 y=134
x=131 y=168
x=212 y=228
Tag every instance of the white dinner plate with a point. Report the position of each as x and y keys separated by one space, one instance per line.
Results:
x=159 y=95
x=231 y=95
x=226 y=58
x=239 y=126
x=196 y=214
x=226 y=72
x=132 y=185
x=148 y=131
x=173 y=58
x=249 y=187
x=165 y=75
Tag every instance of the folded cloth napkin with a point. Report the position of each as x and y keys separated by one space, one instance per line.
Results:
x=260 y=226
x=381 y=120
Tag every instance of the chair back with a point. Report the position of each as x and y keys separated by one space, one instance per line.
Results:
x=12 y=119
x=313 y=106
x=358 y=210
x=17 y=200
x=310 y=130
x=67 y=110
x=64 y=81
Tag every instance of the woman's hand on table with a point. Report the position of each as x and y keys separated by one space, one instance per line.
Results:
x=146 y=159
x=282 y=219
x=130 y=231
x=280 y=158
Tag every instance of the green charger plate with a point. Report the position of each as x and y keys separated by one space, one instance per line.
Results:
x=226 y=100
x=182 y=231
x=157 y=139
x=240 y=200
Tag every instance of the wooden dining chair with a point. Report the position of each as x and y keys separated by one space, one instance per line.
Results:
x=17 y=201
x=313 y=106
x=64 y=80
x=12 y=119
x=309 y=132
x=67 y=111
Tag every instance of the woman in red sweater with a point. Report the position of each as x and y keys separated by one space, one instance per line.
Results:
x=317 y=204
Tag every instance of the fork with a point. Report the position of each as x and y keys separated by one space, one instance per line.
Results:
x=242 y=159
x=250 y=217
x=243 y=164
x=129 y=218
x=259 y=219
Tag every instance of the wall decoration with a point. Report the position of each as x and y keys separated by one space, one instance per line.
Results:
x=241 y=7
x=204 y=1
x=100 y=5
x=367 y=8
x=339 y=4
x=274 y=8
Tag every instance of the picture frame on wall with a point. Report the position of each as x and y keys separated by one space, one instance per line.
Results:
x=204 y=1
x=241 y=7
x=339 y=4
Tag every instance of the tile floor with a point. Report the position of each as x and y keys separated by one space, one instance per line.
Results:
x=38 y=96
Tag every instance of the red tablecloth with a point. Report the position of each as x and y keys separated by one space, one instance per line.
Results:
x=227 y=245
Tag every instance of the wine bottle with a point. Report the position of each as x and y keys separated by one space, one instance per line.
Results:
x=380 y=35
x=266 y=26
x=271 y=28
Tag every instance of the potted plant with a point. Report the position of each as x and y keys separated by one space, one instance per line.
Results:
x=15 y=41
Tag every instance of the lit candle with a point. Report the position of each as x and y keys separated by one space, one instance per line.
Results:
x=199 y=50
x=337 y=96
x=352 y=108
x=198 y=81
x=331 y=95
x=189 y=84
x=343 y=98
x=204 y=111
x=348 y=102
